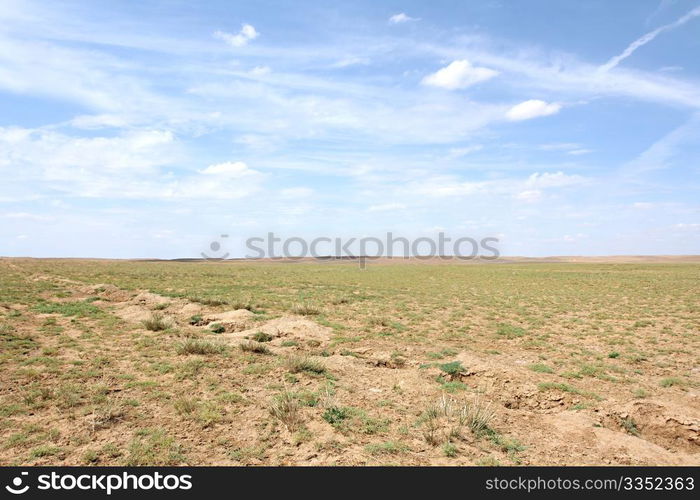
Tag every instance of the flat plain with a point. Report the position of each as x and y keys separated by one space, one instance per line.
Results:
x=266 y=363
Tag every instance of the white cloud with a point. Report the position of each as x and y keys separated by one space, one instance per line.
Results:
x=105 y=120
x=229 y=180
x=296 y=192
x=648 y=37
x=568 y=76
x=62 y=156
x=260 y=71
x=669 y=148
x=241 y=38
x=559 y=146
x=27 y=216
x=447 y=185
x=228 y=169
x=532 y=109
x=401 y=18
x=530 y=189
x=460 y=152
x=687 y=227
x=569 y=238
x=127 y=166
x=557 y=179
x=536 y=183
x=296 y=107
x=458 y=75
x=570 y=148
x=529 y=195
x=386 y=207
x=94 y=79
x=350 y=61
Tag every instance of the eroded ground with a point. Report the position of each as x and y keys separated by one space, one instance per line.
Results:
x=277 y=363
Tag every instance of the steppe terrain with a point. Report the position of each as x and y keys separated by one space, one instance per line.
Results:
x=564 y=361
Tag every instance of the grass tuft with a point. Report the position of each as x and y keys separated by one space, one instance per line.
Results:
x=305 y=310
x=297 y=364
x=285 y=407
x=193 y=346
x=262 y=337
x=157 y=322
x=255 y=347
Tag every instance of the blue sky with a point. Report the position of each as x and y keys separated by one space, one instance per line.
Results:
x=149 y=128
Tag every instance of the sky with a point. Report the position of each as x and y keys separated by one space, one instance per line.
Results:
x=148 y=129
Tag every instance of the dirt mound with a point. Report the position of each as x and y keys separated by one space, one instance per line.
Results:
x=151 y=299
x=666 y=426
x=289 y=328
x=106 y=292
x=133 y=313
x=544 y=401
x=387 y=360
x=233 y=321
x=137 y=307
x=580 y=439
x=190 y=309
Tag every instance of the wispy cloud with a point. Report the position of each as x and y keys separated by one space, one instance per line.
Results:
x=464 y=151
x=350 y=61
x=324 y=121
x=643 y=40
x=559 y=146
x=129 y=166
x=386 y=207
x=661 y=154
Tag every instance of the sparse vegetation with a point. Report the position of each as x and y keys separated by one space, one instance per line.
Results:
x=297 y=364
x=630 y=426
x=640 y=393
x=154 y=447
x=510 y=331
x=185 y=406
x=449 y=449
x=443 y=422
x=387 y=448
x=285 y=408
x=671 y=381
x=157 y=322
x=209 y=301
x=255 y=347
x=86 y=382
x=196 y=320
x=546 y=386
x=454 y=368
x=305 y=310
x=262 y=337
x=217 y=328
x=194 y=346
x=335 y=415
x=80 y=309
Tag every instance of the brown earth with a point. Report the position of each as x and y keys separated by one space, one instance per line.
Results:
x=660 y=430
